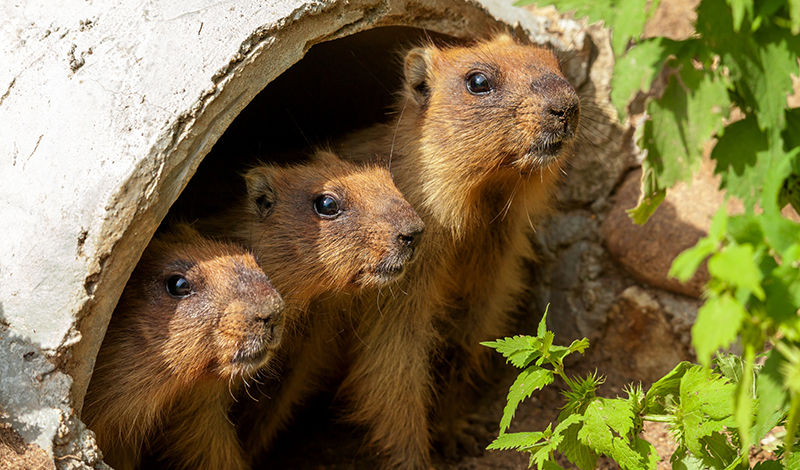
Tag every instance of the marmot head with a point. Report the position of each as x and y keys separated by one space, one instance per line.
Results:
x=506 y=102
x=329 y=225
x=202 y=307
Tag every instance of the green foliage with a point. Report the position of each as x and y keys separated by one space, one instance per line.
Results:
x=696 y=402
x=728 y=84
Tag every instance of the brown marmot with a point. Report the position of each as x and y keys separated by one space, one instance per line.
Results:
x=480 y=138
x=197 y=318
x=325 y=230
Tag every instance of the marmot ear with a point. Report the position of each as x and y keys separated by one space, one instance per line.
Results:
x=418 y=64
x=261 y=194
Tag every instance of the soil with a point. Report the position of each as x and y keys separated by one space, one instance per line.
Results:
x=15 y=454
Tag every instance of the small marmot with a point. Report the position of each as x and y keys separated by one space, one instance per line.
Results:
x=480 y=138
x=197 y=318
x=325 y=230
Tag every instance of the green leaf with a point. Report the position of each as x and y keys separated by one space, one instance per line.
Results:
x=648 y=455
x=742 y=156
x=718 y=451
x=578 y=453
x=682 y=459
x=771 y=81
x=736 y=265
x=773 y=399
x=686 y=263
x=689 y=112
x=542 y=330
x=646 y=207
x=666 y=391
x=794 y=15
x=705 y=407
x=601 y=417
x=519 y=350
x=717 y=325
x=635 y=71
x=529 y=380
x=607 y=424
x=769 y=465
x=516 y=440
x=550 y=465
x=579 y=345
x=740 y=7
x=631 y=16
x=782 y=288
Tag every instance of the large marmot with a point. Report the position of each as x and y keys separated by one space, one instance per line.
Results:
x=478 y=144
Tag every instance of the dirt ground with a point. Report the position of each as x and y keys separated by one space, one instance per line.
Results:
x=15 y=454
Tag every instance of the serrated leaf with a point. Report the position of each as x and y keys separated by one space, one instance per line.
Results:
x=770 y=79
x=635 y=71
x=666 y=390
x=780 y=169
x=550 y=465
x=736 y=265
x=540 y=332
x=681 y=122
x=729 y=366
x=792 y=461
x=782 y=288
x=628 y=23
x=682 y=459
x=607 y=424
x=717 y=325
x=577 y=452
x=769 y=465
x=686 y=264
x=647 y=206
x=705 y=407
x=600 y=418
x=739 y=8
x=648 y=454
x=529 y=380
x=516 y=440
x=719 y=453
x=773 y=399
x=518 y=350
x=743 y=157
x=794 y=15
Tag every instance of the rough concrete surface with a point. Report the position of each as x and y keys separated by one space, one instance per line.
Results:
x=108 y=109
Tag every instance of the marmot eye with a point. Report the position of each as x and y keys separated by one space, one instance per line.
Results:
x=478 y=84
x=264 y=204
x=326 y=206
x=179 y=286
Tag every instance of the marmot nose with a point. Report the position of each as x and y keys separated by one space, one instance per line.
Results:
x=562 y=106
x=411 y=235
x=270 y=309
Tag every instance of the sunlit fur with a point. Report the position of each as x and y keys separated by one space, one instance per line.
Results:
x=169 y=366
x=480 y=170
x=308 y=258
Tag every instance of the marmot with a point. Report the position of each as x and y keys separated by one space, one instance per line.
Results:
x=480 y=137
x=326 y=230
x=197 y=318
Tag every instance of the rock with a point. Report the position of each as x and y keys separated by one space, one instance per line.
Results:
x=682 y=219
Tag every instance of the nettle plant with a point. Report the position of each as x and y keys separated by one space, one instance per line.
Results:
x=728 y=82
